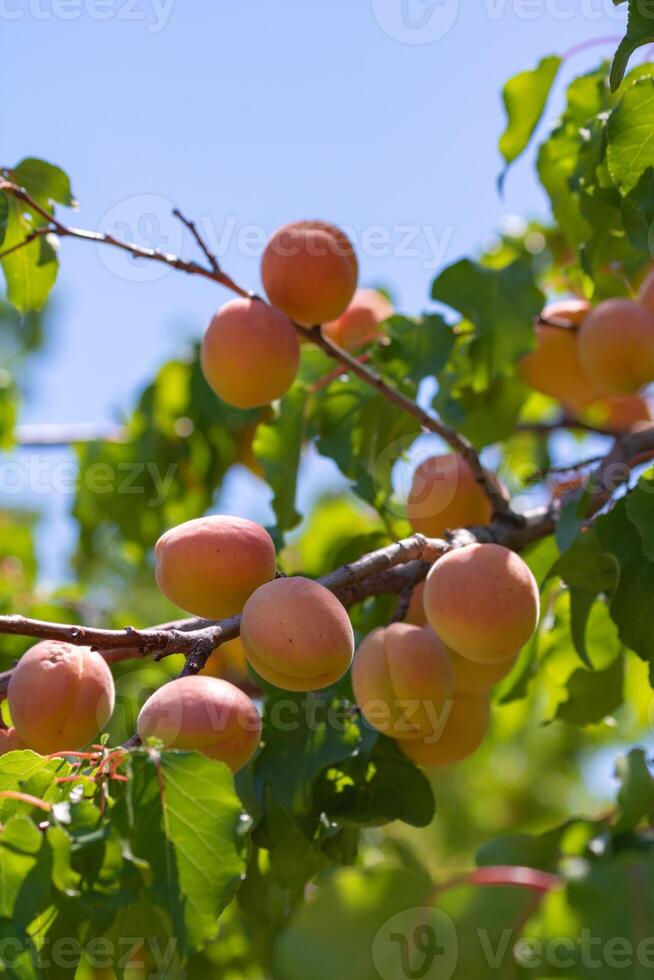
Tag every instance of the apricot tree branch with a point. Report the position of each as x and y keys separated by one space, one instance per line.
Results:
x=458 y=443
x=56 y=227
x=455 y=441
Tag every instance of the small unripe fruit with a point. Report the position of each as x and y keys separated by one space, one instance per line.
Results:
x=309 y=271
x=463 y=730
x=360 y=323
x=475 y=678
x=60 y=697
x=616 y=346
x=210 y=565
x=444 y=496
x=250 y=353
x=402 y=679
x=297 y=635
x=554 y=367
x=206 y=714
x=483 y=602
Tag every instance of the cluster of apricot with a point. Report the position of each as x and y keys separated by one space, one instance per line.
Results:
x=596 y=360
x=427 y=682
x=251 y=351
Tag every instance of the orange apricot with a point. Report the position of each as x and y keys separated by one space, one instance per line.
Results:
x=228 y=662
x=250 y=353
x=444 y=495
x=554 y=367
x=402 y=679
x=471 y=677
x=616 y=346
x=463 y=729
x=309 y=271
x=483 y=602
x=210 y=565
x=360 y=323
x=206 y=714
x=296 y=634
x=416 y=611
x=618 y=414
x=60 y=697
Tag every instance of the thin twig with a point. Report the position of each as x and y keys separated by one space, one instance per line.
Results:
x=192 y=227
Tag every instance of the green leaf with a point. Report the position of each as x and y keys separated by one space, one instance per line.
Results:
x=525 y=97
x=640 y=30
x=638 y=211
x=416 y=349
x=640 y=510
x=501 y=304
x=486 y=416
x=30 y=271
x=278 y=446
x=636 y=794
x=181 y=815
x=593 y=694
x=43 y=181
x=630 y=148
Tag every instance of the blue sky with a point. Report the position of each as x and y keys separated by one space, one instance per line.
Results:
x=381 y=115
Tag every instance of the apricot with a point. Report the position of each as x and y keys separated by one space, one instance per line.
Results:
x=309 y=271
x=483 y=602
x=416 y=611
x=296 y=634
x=60 y=697
x=554 y=367
x=206 y=714
x=9 y=741
x=360 y=323
x=250 y=353
x=475 y=678
x=618 y=414
x=616 y=346
x=444 y=495
x=228 y=662
x=210 y=565
x=646 y=292
x=402 y=679
x=463 y=729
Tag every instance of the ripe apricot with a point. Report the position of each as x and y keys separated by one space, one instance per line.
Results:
x=210 y=565
x=475 y=678
x=444 y=495
x=416 y=611
x=646 y=292
x=618 y=414
x=309 y=271
x=296 y=634
x=60 y=696
x=554 y=367
x=250 y=353
x=228 y=662
x=360 y=323
x=483 y=602
x=402 y=679
x=616 y=346
x=463 y=730
x=206 y=714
